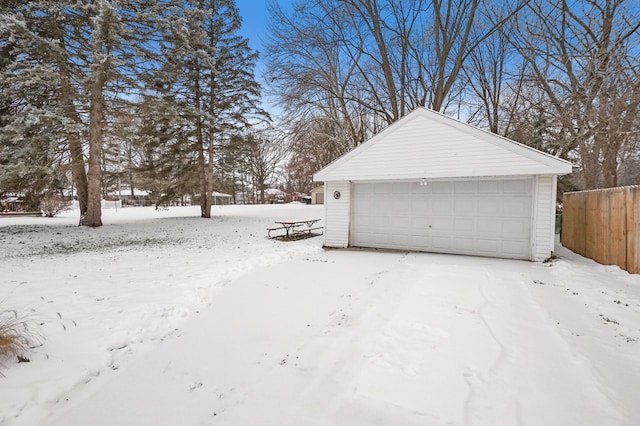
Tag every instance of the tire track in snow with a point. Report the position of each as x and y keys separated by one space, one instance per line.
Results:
x=536 y=368
x=494 y=369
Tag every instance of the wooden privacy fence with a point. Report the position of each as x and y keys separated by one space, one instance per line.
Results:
x=604 y=225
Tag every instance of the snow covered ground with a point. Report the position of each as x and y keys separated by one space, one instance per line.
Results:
x=163 y=318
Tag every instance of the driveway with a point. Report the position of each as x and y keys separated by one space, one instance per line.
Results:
x=358 y=337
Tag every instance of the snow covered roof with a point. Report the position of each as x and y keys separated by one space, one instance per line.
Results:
x=428 y=144
x=220 y=194
x=274 y=191
x=126 y=190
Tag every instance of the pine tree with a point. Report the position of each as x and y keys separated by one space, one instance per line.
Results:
x=32 y=126
x=207 y=81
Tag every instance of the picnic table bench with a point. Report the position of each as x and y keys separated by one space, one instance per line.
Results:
x=295 y=227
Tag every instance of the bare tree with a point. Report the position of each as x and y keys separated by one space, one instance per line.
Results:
x=583 y=56
x=266 y=151
x=492 y=72
x=360 y=65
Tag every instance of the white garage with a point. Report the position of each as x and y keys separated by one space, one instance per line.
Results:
x=431 y=183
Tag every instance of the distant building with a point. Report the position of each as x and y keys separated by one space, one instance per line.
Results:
x=317 y=195
x=12 y=202
x=220 y=199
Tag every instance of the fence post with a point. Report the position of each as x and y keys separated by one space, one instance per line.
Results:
x=633 y=228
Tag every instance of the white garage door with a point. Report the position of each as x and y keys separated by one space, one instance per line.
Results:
x=482 y=217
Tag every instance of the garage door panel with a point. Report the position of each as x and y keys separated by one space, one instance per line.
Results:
x=440 y=205
x=490 y=217
x=421 y=229
x=439 y=222
x=366 y=222
x=513 y=247
x=418 y=223
x=441 y=243
x=384 y=188
x=418 y=240
x=488 y=226
x=513 y=207
x=462 y=244
x=420 y=204
x=381 y=240
x=463 y=225
x=514 y=227
x=400 y=226
x=489 y=207
x=398 y=240
x=380 y=222
x=488 y=187
x=400 y=205
x=487 y=246
x=464 y=206
x=465 y=187
x=520 y=187
x=441 y=187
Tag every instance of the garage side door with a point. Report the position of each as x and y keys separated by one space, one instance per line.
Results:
x=482 y=217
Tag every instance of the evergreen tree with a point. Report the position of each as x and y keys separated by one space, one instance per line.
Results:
x=228 y=94
x=66 y=64
x=206 y=83
x=31 y=124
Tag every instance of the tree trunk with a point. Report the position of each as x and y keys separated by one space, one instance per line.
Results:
x=209 y=177
x=79 y=175
x=100 y=56
x=69 y=96
x=211 y=132
x=453 y=30
x=590 y=164
x=205 y=203
x=94 y=208
x=204 y=195
x=610 y=161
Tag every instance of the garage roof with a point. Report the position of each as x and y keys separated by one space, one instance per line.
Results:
x=427 y=144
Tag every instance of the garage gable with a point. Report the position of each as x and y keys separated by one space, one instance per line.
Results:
x=430 y=145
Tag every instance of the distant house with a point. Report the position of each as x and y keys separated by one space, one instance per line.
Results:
x=139 y=198
x=295 y=196
x=317 y=195
x=432 y=183
x=271 y=196
x=220 y=199
x=11 y=202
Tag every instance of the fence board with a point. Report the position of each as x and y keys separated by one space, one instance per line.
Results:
x=573 y=235
x=604 y=225
x=617 y=224
x=633 y=229
x=592 y=222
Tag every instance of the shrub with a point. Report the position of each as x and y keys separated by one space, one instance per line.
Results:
x=51 y=204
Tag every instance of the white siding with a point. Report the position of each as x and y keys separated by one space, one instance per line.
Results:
x=544 y=217
x=428 y=145
x=337 y=214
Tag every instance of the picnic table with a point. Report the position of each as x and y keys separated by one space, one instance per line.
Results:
x=293 y=227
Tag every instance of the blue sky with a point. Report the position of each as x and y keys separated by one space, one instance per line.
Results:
x=254 y=27
x=254 y=21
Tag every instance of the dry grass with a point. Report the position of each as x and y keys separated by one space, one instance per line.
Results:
x=16 y=336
